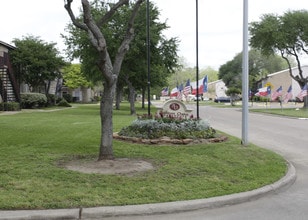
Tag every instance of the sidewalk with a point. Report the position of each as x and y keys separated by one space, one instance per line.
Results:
x=149 y=209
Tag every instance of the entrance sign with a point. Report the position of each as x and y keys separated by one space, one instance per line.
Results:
x=175 y=109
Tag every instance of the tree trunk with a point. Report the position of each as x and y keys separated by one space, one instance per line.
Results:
x=118 y=97
x=306 y=102
x=131 y=97
x=106 y=151
x=143 y=98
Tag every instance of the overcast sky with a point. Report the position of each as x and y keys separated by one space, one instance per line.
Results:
x=220 y=23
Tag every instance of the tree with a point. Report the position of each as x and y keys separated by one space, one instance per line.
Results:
x=286 y=35
x=39 y=62
x=163 y=57
x=134 y=67
x=233 y=93
x=259 y=66
x=183 y=74
x=73 y=77
x=109 y=70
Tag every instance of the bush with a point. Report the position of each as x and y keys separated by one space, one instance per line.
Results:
x=68 y=97
x=9 y=106
x=64 y=103
x=179 y=129
x=33 y=100
x=261 y=99
x=53 y=99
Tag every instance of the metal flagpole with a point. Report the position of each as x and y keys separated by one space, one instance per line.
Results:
x=197 y=58
x=245 y=71
x=148 y=56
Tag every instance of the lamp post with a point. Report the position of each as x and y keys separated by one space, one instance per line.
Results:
x=245 y=70
x=148 y=55
x=197 y=57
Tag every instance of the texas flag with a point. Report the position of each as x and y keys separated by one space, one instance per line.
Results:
x=202 y=86
x=265 y=91
x=174 y=92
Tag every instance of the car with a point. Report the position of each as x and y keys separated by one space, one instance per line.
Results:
x=199 y=98
x=222 y=99
x=194 y=98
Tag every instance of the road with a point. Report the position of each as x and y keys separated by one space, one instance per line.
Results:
x=286 y=136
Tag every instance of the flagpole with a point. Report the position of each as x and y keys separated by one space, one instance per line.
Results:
x=148 y=56
x=245 y=75
x=197 y=58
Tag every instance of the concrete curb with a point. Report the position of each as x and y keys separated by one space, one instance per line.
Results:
x=150 y=209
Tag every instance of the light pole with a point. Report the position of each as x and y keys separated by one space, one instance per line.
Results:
x=245 y=70
x=148 y=55
x=197 y=57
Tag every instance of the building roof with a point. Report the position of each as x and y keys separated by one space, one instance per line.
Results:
x=282 y=71
x=7 y=45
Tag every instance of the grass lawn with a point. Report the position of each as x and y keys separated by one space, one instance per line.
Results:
x=290 y=112
x=34 y=143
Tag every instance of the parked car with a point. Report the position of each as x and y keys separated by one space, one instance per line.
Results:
x=222 y=99
x=199 y=98
x=194 y=97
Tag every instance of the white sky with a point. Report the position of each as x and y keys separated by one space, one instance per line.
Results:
x=220 y=23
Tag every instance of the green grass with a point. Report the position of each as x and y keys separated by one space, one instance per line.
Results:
x=289 y=112
x=33 y=144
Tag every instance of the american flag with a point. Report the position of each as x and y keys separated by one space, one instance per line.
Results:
x=288 y=96
x=180 y=89
x=165 y=92
x=277 y=93
x=187 y=88
x=303 y=93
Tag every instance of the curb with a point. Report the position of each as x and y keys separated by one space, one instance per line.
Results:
x=150 y=209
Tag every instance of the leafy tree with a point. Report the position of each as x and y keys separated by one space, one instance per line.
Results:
x=163 y=55
x=259 y=66
x=287 y=35
x=73 y=77
x=39 y=62
x=134 y=67
x=233 y=92
x=109 y=71
x=183 y=74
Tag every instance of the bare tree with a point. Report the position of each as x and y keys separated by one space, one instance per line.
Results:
x=109 y=70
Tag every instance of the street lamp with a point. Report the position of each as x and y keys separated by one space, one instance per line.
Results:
x=245 y=75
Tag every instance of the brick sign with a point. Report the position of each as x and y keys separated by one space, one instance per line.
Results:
x=175 y=108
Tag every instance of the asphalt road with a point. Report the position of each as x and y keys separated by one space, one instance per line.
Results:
x=286 y=136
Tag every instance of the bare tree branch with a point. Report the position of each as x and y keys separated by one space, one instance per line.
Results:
x=68 y=8
x=111 y=12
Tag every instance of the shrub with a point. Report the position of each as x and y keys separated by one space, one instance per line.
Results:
x=68 y=97
x=9 y=106
x=64 y=103
x=33 y=100
x=53 y=99
x=177 y=128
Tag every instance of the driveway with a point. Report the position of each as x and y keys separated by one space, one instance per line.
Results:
x=286 y=136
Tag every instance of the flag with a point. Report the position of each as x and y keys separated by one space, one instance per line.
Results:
x=187 y=88
x=264 y=91
x=204 y=83
x=288 y=96
x=180 y=89
x=174 y=92
x=277 y=93
x=165 y=92
x=302 y=93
